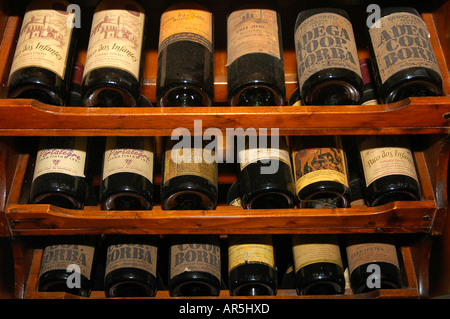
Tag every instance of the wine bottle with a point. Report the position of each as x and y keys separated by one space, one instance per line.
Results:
x=403 y=59
x=131 y=263
x=67 y=266
x=265 y=176
x=320 y=170
x=373 y=262
x=234 y=195
x=189 y=177
x=255 y=67
x=60 y=172
x=356 y=183
x=318 y=265
x=369 y=90
x=195 y=266
x=127 y=179
x=42 y=63
x=74 y=94
x=251 y=265
x=185 y=70
x=113 y=68
x=327 y=58
x=389 y=169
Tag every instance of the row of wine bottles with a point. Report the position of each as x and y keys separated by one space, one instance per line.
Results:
x=404 y=63
x=203 y=265
x=308 y=171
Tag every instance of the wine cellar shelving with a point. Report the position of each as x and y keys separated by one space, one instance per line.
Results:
x=426 y=120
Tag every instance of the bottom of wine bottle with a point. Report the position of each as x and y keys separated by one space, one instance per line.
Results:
x=253 y=280
x=320 y=279
x=387 y=278
x=57 y=280
x=130 y=282
x=194 y=283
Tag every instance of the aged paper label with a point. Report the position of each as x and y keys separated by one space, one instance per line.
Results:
x=324 y=41
x=402 y=42
x=250 y=249
x=57 y=257
x=186 y=25
x=131 y=256
x=44 y=39
x=252 y=31
x=361 y=254
x=195 y=257
x=116 y=38
x=309 y=250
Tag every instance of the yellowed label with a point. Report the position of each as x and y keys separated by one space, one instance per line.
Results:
x=186 y=25
x=116 y=38
x=44 y=40
x=248 y=156
x=131 y=256
x=195 y=257
x=245 y=249
x=58 y=257
x=69 y=161
x=134 y=160
x=384 y=161
x=252 y=31
x=309 y=250
x=319 y=164
x=190 y=161
x=324 y=41
x=361 y=254
x=402 y=42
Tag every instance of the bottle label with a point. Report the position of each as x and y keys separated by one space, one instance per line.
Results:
x=131 y=256
x=250 y=249
x=324 y=41
x=309 y=250
x=138 y=159
x=384 y=161
x=195 y=257
x=360 y=254
x=70 y=160
x=248 y=156
x=44 y=38
x=190 y=161
x=402 y=42
x=116 y=38
x=59 y=257
x=314 y=165
x=252 y=31
x=186 y=25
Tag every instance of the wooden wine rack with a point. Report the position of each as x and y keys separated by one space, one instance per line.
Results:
x=425 y=119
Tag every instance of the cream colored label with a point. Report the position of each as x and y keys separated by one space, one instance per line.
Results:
x=384 y=161
x=57 y=257
x=309 y=250
x=252 y=31
x=116 y=38
x=248 y=156
x=69 y=161
x=131 y=256
x=195 y=257
x=361 y=254
x=44 y=41
x=319 y=164
x=186 y=25
x=190 y=161
x=245 y=249
x=402 y=42
x=133 y=160
x=324 y=41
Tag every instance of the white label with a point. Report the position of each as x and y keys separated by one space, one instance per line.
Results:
x=248 y=156
x=61 y=160
x=132 y=160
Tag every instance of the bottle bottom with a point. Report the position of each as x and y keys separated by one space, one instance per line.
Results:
x=333 y=92
x=130 y=288
x=126 y=201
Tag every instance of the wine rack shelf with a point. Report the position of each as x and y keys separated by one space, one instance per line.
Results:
x=425 y=119
x=409 y=286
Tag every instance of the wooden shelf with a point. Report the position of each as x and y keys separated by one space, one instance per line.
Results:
x=409 y=289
